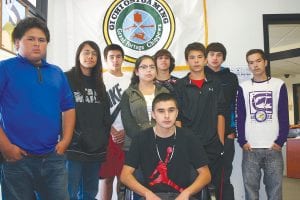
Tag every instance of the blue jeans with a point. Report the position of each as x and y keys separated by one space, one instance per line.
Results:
x=47 y=175
x=271 y=162
x=83 y=179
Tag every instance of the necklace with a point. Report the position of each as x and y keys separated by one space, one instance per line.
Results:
x=169 y=149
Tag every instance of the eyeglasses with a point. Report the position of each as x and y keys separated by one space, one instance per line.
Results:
x=144 y=67
x=87 y=53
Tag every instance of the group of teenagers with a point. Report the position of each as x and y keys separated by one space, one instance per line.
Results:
x=160 y=136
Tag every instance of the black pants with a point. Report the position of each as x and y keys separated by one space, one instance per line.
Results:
x=228 y=192
x=168 y=196
x=214 y=151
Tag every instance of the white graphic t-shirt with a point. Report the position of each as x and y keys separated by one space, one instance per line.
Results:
x=261 y=102
x=115 y=86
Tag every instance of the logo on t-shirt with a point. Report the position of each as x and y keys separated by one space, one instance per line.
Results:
x=261 y=105
x=115 y=95
x=90 y=96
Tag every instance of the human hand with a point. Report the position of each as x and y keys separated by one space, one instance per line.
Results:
x=247 y=147
x=113 y=131
x=231 y=136
x=13 y=153
x=118 y=136
x=61 y=147
x=276 y=147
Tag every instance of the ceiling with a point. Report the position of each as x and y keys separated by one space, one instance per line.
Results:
x=283 y=37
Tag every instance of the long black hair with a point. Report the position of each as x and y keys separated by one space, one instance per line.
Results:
x=96 y=71
x=134 y=78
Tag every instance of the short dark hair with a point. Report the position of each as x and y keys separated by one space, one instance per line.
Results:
x=217 y=47
x=253 y=51
x=197 y=46
x=112 y=47
x=165 y=52
x=28 y=23
x=164 y=97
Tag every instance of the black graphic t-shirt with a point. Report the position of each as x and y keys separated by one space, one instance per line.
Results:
x=90 y=138
x=169 y=84
x=188 y=155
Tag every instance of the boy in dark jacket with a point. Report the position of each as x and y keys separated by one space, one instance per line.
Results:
x=201 y=108
x=216 y=55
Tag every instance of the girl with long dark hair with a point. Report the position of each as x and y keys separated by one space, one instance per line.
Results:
x=88 y=147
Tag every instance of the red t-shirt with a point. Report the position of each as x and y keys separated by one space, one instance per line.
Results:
x=198 y=83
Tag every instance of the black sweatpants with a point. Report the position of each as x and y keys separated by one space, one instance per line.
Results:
x=228 y=191
x=214 y=151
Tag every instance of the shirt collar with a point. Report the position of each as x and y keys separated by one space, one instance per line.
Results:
x=25 y=60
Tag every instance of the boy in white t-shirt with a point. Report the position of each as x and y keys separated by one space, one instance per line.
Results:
x=116 y=83
x=262 y=127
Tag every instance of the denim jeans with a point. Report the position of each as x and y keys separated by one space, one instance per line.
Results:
x=271 y=163
x=83 y=179
x=47 y=175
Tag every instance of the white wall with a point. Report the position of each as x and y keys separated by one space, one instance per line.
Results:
x=4 y=54
x=238 y=24
x=293 y=79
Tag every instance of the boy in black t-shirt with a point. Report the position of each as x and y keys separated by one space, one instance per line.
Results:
x=166 y=155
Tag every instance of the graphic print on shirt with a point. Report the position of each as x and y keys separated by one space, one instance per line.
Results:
x=261 y=105
x=90 y=96
x=160 y=173
x=115 y=95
